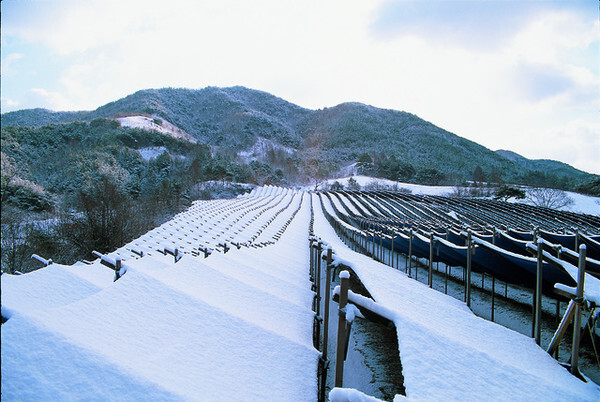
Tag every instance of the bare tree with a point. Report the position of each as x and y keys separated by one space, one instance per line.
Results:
x=549 y=198
x=8 y=173
x=15 y=229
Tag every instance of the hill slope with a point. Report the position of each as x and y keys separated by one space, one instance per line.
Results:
x=304 y=142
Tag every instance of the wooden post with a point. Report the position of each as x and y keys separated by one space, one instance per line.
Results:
x=117 y=268
x=324 y=358
x=397 y=261
x=557 y=321
x=468 y=276
x=562 y=328
x=577 y=318
x=318 y=277
x=410 y=253
x=312 y=253
x=326 y=305
x=341 y=335
x=430 y=273
x=493 y=295
x=373 y=253
x=446 y=280
x=537 y=321
x=392 y=255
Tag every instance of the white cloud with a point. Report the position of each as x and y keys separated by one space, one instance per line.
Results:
x=510 y=94
x=8 y=61
x=47 y=99
x=8 y=103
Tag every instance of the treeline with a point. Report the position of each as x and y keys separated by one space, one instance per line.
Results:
x=68 y=189
x=394 y=168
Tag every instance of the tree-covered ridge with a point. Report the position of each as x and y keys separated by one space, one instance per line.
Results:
x=68 y=189
x=61 y=157
x=401 y=146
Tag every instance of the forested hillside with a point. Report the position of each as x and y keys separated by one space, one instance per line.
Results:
x=71 y=188
x=307 y=144
x=73 y=182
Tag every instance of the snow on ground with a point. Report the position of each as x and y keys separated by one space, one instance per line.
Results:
x=151 y=152
x=238 y=325
x=261 y=148
x=198 y=329
x=447 y=352
x=584 y=204
x=415 y=188
x=155 y=123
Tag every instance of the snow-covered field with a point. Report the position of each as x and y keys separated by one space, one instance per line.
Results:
x=235 y=326
x=447 y=352
x=238 y=324
x=584 y=204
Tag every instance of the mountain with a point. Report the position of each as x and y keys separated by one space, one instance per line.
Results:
x=40 y=117
x=543 y=165
x=249 y=124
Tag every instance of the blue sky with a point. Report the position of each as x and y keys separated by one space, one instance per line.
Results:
x=522 y=75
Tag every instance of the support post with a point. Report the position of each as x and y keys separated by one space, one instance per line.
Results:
x=468 y=276
x=537 y=321
x=446 y=280
x=341 y=335
x=493 y=295
x=318 y=277
x=392 y=255
x=374 y=255
x=326 y=325
x=312 y=254
x=430 y=273
x=410 y=254
x=326 y=305
x=562 y=328
x=117 y=268
x=577 y=318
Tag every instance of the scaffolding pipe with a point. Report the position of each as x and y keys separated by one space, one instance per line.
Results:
x=468 y=278
x=430 y=273
x=577 y=318
x=537 y=326
x=341 y=335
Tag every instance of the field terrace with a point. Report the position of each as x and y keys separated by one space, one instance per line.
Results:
x=219 y=304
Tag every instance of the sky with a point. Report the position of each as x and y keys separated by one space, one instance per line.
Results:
x=522 y=75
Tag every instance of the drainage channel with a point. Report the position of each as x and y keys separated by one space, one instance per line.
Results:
x=372 y=363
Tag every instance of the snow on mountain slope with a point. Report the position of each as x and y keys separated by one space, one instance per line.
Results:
x=261 y=148
x=155 y=123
